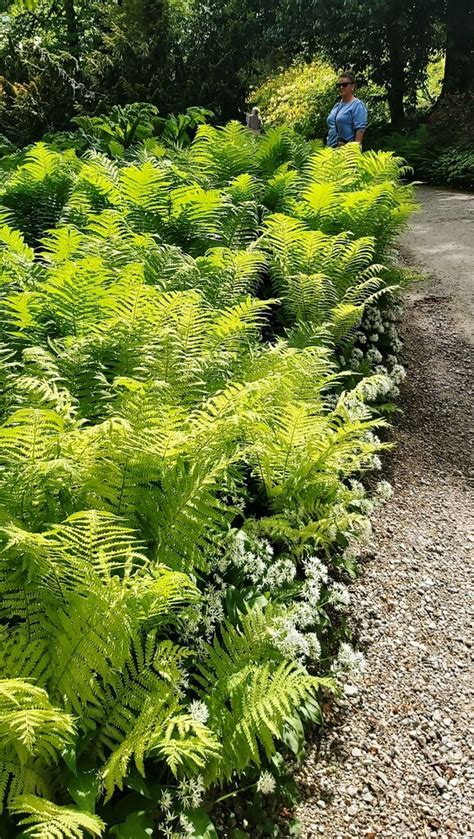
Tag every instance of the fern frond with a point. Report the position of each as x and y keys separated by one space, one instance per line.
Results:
x=29 y=724
x=45 y=820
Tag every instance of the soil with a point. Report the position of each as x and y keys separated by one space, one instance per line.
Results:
x=396 y=759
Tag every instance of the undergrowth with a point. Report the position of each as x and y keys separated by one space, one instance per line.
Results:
x=189 y=407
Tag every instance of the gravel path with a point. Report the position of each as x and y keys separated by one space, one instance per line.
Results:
x=395 y=759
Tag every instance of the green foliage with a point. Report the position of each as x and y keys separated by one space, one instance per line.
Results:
x=440 y=149
x=175 y=430
x=45 y=819
x=302 y=96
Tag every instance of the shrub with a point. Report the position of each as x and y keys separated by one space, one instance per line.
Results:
x=302 y=96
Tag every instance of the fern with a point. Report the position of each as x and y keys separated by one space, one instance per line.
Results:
x=173 y=326
x=251 y=694
x=45 y=820
x=29 y=725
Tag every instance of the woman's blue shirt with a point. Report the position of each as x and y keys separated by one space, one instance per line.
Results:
x=344 y=120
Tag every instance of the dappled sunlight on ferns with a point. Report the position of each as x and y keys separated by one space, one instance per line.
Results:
x=170 y=384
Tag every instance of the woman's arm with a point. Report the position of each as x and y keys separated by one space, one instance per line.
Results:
x=359 y=121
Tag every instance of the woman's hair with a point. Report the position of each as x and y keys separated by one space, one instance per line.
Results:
x=255 y=110
x=347 y=76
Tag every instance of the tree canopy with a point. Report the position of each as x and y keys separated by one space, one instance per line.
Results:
x=61 y=57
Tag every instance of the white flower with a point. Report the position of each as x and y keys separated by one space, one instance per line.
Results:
x=374 y=356
x=166 y=800
x=190 y=792
x=363 y=528
x=305 y=614
x=398 y=374
x=266 y=784
x=384 y=490
x=292 y=644
x=316 y=569
x=357 y=488
x=185 y=794
x=199 y=711
x=188 y=828
x=339 y=596
x=281 y=572
x=349 y=661
x=314 y=647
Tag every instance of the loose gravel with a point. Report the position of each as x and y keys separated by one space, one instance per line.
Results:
x=396 y=758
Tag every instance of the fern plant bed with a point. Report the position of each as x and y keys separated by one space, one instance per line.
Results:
x=182 y=487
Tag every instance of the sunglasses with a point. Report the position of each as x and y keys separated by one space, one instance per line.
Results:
x=343 y=84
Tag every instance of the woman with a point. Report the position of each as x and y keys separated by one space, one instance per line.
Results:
x=254 y=122
x=348 y=119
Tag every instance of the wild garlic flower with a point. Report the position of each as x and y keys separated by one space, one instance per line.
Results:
x=281 y=572
x=166 y=800
x=293 y=643
x=398 y=374
x=190 y=793
x=315 y=569
x=374 y=356
x=349 y=661
x=199 y=711
x=339 y=596
x=186 y=825
x=266 y=784
x=357 y=488
x=384 y=490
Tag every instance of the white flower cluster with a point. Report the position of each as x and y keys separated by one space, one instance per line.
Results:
x=360 y=500
x=289 y=633
x=187 y=796
x=363 y=530
x=384 y=490
x=266 y=784
x=374 y=386
x=339 y=596
x=292 y=643
x=376 y=324
x=374 y=356
x=190 y=793
x=199 y=711
x=349 y=662
x=355 y=359
x=282 y=571
x=398 y=374
x=255 y=558
x=252 y=556
x=186 y=825
x=316 y=573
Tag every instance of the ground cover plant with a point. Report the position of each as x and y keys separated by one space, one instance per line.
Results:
x=188 y=411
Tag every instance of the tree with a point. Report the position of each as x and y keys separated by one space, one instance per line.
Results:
x=230 y=43
x=388 y=41
x=459 y=27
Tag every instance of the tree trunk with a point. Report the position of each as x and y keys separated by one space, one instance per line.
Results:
x=71 y=27
x=396 y=86
x=459 y=70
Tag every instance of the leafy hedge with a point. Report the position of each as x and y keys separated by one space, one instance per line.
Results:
x=301 y=96
x=181 y=452
x=441 y=149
